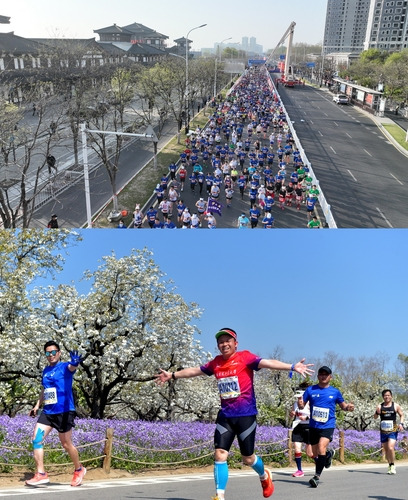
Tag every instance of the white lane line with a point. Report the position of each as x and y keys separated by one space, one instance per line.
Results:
x=320 y=133
x=325 y=114
x=348 y=135
x=351 y=174
x=392 y=175
x=310 y=121
x=384 y=217
x=336 y=124
x=333 y=150
x=369 y=154
x=93 y=485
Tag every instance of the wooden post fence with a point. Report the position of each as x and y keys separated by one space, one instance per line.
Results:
x=341 y=446
x=108 y=450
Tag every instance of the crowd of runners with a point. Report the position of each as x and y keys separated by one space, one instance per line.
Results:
x=313 y=412
x=246 y=152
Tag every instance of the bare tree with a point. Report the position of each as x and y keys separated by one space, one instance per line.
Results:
x=24 y=169
x=108 y=114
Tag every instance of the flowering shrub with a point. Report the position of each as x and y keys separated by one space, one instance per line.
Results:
x=158 y=443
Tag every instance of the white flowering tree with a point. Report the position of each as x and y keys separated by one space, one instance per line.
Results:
x=129 y=325
x=25 y=255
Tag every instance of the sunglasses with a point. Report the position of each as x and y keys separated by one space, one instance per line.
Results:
x=51 y=353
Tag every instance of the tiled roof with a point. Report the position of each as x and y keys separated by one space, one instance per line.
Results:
x=17 y=45
x=113 y=29
x=134 y=28
x=145 y=49
x=112 y=48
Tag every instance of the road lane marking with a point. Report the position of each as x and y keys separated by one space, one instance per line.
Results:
x=333 y=150
x=336 y=124
x=384 y=217
x=392 y=175
x=348 y=135
x=320 y=133
x=352 y=175
x=369 y=154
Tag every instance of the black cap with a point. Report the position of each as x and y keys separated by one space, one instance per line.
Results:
x=54 y=215
x=325 y=369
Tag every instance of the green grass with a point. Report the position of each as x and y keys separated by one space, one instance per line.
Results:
x=398 y=133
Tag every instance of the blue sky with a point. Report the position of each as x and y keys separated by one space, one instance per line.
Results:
x=267 y=21
x=306 y=291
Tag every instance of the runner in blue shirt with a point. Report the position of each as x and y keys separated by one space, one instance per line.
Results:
x=322 y=399
x=241 y=184
x=58 y=412
x=253 y=192
x=151 y=216
x=168 y=223
x=173 y=170
x=193 y=181
x=159 y=192
x=310 y=206
x=268 y=221
x=270 y=157
x=269 y=203
x=254 y=215
x=157 y=223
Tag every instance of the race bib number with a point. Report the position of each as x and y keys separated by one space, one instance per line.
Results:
x=50 y=396
x=387 y=425
x=229 y=387
x=320 y=414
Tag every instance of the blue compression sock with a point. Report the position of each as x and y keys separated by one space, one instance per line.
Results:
x=220 y=475
x=258 y=466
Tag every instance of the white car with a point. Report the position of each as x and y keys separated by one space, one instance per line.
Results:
x=340 y=99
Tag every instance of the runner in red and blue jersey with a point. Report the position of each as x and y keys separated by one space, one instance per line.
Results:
x=234 y=371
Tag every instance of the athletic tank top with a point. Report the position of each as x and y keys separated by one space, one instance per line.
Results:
x=388 y=417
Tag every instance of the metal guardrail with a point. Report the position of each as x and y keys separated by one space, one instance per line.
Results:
x=326 y=209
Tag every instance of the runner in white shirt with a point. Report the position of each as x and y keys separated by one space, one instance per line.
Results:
x=300 y=428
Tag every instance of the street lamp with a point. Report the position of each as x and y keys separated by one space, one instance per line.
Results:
x=187 y=88
x=216 y=59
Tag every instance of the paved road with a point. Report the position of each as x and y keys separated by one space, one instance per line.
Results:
x=70 y=205
x=361 y=173
x=364 y=177
x=358 y=482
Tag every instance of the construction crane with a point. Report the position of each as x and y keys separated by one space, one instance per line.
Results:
x=287 y=77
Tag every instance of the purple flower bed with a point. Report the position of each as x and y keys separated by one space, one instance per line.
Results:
x=161 y=442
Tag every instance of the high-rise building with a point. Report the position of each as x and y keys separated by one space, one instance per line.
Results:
x=346 y=26
x=387 y=27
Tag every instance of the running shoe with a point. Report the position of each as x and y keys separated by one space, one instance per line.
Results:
x=314 y=482
x=78 y=476
x=38 y=479
x=298 y=473
x=267 y=485
x=391 y=469
x=329 y=458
